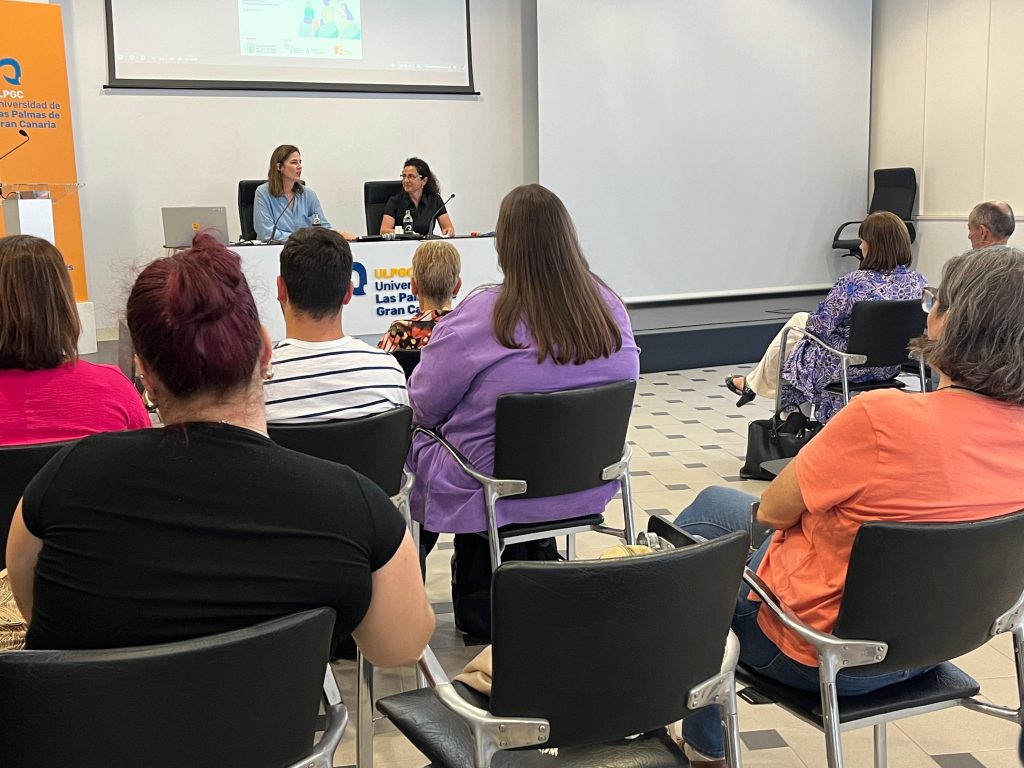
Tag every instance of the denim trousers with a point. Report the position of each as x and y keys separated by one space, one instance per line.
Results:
x=716 y=512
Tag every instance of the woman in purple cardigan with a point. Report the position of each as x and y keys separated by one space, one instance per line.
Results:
x=551 y=325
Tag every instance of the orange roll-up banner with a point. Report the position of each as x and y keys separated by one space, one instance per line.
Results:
x=34 y=98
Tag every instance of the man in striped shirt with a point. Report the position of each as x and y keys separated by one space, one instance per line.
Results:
x=319 y=372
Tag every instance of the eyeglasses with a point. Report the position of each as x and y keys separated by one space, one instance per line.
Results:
x=929 y=298
x=410 y=176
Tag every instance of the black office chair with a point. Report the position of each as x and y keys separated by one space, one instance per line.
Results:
x=375 y=196
x=550 y=444
x=916 y=594
x=248 y=697
x=880 y=332
x=18 y=465
x=408 y=359
x=246 y=204
x=895 y=191
x=558 y=677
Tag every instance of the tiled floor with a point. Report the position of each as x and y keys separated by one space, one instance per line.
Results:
x=688 y=434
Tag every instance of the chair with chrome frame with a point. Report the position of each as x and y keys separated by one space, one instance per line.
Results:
x=553 y=683
x=550 y=444
x=18 y=465
x=916 y=595
x=880 y=332
x=375 y=446
x=247 y=697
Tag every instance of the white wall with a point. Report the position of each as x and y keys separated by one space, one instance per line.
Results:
x=946 y=92
x=139 y=151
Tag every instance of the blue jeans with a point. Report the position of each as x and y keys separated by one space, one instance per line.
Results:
x=716 y=512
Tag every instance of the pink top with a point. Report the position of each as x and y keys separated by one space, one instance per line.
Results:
x=66 y=403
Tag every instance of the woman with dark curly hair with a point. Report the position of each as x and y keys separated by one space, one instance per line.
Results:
x=421 y=199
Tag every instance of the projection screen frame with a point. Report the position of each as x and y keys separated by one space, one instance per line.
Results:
x=114 y=82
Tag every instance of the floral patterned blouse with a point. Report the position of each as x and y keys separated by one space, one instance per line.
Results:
x=809 y=368
x=413 y=333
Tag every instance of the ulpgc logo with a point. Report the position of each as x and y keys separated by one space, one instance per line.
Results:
x=10 y=71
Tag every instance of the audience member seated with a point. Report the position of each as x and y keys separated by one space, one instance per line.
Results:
x=884 y=275
x=285 y=204
x=952 y=455
x=435 y=281
x=206 y=525
x=525 y=335
x=990 y=223
x=46 y=393
x=319 y=373
x=421 y=198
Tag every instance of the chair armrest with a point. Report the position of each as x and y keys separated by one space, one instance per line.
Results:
x=712 y=691
x=842 y=226
x=851 y=359
x=619 y=468
x=431 y=668
x=1010 y=620
x=501 y=487
x=322 y=755
x=848 y=653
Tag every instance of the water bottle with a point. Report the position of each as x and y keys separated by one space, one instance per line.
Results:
x=407 y=222
x=316 y=220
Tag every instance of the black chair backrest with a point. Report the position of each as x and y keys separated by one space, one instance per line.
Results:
x=558 y=442
x=563 y=634
x=246 y=203
x=374 y=446
x=375 y=196
x=248 y=697
x=408 y=359
x=931 y=590
x=18 y=465
x=883 y=329
x=895 y=191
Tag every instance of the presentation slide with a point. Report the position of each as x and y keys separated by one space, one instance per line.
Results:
x=400 y=45
x=300 y=29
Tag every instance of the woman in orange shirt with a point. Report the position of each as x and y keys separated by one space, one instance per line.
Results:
x=887 y=456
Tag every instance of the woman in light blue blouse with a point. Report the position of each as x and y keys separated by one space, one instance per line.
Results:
x=284 y=204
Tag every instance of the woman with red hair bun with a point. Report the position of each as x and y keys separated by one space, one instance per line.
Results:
x=207 y=525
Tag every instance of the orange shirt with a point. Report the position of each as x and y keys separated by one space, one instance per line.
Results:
x=946 y=456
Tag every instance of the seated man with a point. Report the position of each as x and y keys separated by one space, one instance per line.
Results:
x=887 y=456
x=319 y=373
x=435 y=280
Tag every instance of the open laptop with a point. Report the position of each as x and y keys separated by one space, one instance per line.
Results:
x=182 y=224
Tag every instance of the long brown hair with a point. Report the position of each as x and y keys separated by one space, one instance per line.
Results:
x=548 y=283
x=39 y=325
x=275 y=177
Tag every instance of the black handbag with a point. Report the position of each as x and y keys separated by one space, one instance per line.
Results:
x=775 y=438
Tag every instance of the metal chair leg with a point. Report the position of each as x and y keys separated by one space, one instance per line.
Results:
x=629 y=524
x=731 y=727
x=570 y=546
x=880 y=746
x=830 y=711
x=364 y=712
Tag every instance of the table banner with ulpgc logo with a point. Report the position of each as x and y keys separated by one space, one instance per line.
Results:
x=34 y=105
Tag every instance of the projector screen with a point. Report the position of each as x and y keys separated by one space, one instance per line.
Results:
x=706 y=147
x=403 y=46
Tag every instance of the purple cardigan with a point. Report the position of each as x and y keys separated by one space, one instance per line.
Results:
x=455 y=388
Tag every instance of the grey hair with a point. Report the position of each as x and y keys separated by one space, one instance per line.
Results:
x=981 y=346
x=996 y=215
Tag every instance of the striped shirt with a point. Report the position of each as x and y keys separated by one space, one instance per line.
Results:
x=341 y=379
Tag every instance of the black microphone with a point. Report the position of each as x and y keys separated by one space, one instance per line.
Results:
x=24 y=133
x=430 y=227
x=274 y=230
